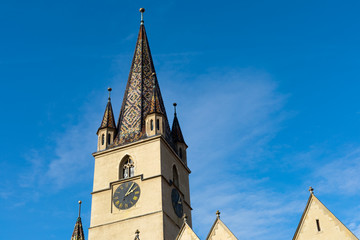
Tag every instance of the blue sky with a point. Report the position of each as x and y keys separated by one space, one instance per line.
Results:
x=268 y=100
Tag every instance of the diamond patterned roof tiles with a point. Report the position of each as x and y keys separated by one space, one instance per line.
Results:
x=142 y=87
x=108 y=120
x=78 y=233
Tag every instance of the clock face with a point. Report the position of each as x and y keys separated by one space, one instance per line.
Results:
x=177 y=202
x=126 y=195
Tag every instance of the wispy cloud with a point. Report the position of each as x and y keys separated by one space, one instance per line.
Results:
x=67 y=160
x=6 y=193
x=228 y=119
x=355 y=227
x=329 y=170
x=72 y=159
x=249 y=213
x=334 y=173
x=340 y=173
x=130 y=37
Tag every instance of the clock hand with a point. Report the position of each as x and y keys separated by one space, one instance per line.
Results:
x=132 y=191
x=128 y=191
x=179 y=200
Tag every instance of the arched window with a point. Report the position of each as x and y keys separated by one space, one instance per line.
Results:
x=151 y=125
x=157 y=124
x=109 y=138
x=102 y=139
x=127 y=168
x=175 y=176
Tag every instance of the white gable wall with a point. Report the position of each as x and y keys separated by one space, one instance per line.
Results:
x=330 y=227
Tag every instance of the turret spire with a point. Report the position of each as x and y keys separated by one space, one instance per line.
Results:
x=107 y=129
x=108 y=120
x=175 y=129
x=142 y=95
x=78 y=233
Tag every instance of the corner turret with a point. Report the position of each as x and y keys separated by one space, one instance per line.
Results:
x=155 y=120
x=178 y=139
x=107 y=129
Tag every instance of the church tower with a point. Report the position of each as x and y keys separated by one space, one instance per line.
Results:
x=141 y=179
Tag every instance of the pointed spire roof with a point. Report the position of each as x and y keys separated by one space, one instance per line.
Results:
x=176 y=130
x=318 y=219
x=108 y=120
x=155 y=106
x=78 y=233
x=141 y=88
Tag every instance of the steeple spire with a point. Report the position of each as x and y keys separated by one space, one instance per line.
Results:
x=78 y=233
x=177 y=138
x=142 y=92
x=107 y=129
x=176 y=130
x=108 y=120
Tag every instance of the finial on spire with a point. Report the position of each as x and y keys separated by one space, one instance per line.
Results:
x=174 y=104
x=109 y=89
x=142 y=10
x=137 y=232
x=218 y=214
x=79 y=207
x=78 y=233
x=185 y=218
x=311 y=190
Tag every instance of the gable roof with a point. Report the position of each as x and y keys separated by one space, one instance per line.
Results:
x=186 y=233
x=220 y=231
x=317 y=213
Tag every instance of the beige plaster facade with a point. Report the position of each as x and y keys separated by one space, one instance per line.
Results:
x=105 y=138
x=318 y=223
x=219 y=231
x=154 y=124
x=153 y=214
x=186 y=233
